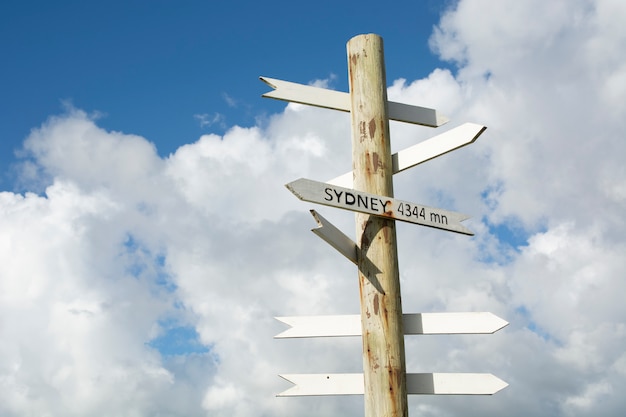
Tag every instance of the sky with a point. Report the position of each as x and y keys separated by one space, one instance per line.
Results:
x=147 y=240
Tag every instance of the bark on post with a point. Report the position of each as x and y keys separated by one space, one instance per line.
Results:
x=379 y=282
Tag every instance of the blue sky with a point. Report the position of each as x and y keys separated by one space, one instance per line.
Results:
x=149 y=66
x=147 y=240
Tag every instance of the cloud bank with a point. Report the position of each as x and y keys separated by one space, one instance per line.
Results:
x=115 y=248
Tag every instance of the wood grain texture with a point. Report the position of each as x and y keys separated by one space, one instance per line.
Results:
x=381 y=307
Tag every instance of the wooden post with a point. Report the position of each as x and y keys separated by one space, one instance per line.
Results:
x=379 y=282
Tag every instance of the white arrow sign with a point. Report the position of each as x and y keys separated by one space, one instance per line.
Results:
x=349 y=199
x=337 y=100
x=424 y=151
x=426 y=383
x=335 y=237
x=421 y=323
x=346 y=246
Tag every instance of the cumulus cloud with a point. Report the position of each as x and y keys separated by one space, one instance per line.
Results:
x=116 y=246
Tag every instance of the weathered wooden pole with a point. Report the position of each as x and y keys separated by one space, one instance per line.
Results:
x=379 y=281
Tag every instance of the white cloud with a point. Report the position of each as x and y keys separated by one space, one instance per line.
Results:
x=208 y=120
x=122 y=240
x=229 y=100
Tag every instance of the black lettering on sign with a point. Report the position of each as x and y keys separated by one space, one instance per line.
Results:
x=348 y=198
x=362 y=201
x=328 y=194
x=438 y=218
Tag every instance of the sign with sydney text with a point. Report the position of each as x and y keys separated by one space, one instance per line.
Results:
x=349 y=199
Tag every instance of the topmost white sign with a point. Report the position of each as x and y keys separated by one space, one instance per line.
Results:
x=337 y=100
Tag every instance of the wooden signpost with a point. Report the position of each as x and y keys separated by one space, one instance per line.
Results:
x=368 y=191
